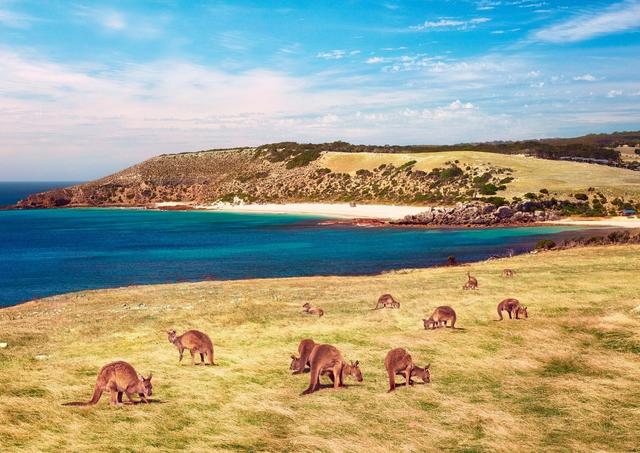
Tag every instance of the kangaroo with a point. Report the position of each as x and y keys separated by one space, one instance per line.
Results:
x=195 y=342
x=118 y=378
x=326 y=360
x=508 y=273
x=439 y=317
x=313 y=310
x=399 y=362
x=387 y=300
x=512 y=306
x=472 y=282
x=305 y=348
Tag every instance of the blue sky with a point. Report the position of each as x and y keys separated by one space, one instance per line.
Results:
x=87 y=88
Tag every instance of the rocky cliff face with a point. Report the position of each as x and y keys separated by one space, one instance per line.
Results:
x=477 y=214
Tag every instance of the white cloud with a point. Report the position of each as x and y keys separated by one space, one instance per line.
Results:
x=586 y=78
x=485 y=5
x=450 y=24
x=614 y=93
x=375 y=60
x=458 y=105
x=14 y=20
x=115 y=21
x=616 y=18
x=336 y=54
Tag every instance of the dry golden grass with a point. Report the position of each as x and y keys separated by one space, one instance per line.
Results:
x=530 y=174
x=565 y=379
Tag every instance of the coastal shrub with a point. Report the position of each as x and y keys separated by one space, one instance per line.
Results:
x=303 y=159
x=323 y=171
x=488 y=189
x=411 y=163
x=545 y=244
x=506 y=180
x=496 y=201
x=581 y=196
x=363 y=172
x=530 y=196
x=450 y=172
x=544 y=191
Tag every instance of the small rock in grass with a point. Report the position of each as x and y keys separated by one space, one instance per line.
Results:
x=41 y=357
x=3 y=345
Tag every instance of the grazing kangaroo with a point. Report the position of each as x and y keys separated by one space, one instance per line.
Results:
x=472 y=282
x=440 y=316
x=196 y=342
x=399 y=362
x=118 y=378
x=326 y=360
x=305 y=348
x=313 y=310
x=513 y=307
x=508 y=273
x=387 y=300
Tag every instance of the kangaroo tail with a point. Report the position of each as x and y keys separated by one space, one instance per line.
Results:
x=321 y=314
x=210 y=354
x=97 y=393
x=500 y=313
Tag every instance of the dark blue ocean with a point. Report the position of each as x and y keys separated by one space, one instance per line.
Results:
x=46 y=252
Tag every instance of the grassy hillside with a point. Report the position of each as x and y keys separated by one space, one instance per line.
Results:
x=566 y=379
x=284 y=175
x=530 y=174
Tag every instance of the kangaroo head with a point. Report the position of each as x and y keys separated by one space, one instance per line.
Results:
x=171 y=335
x=145 y=385
x=295 y=363
x=523 y=311
x=353 y=370
x=422 y=373
x=427 y=322
x=306 y=305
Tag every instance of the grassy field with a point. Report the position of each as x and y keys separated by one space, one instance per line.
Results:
x=566 y=379
x=530 y=174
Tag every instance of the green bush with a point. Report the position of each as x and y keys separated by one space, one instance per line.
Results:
x=545 y=244
x=488 y=189
x=530 y=196
x=303 y=159
x=581 y=196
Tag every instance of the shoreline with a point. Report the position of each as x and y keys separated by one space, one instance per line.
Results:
x=331 y=210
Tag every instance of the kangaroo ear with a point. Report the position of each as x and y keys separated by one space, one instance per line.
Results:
x=427 y=366
x=357 y=362
x=141 y=377
x=150 y=376
x=293 y=357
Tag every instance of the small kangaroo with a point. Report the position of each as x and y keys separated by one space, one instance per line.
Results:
x=472 y=282
x=305 y=348
x=440 y=316
x=387 y=300
x=508 y=273
x=399 y=362
x=118 y=378
x=196 y=342
x=513 y=307
x=313 y=310
x=326 y=360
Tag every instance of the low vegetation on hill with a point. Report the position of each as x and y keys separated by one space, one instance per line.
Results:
x=293 y=174
x=565 y=379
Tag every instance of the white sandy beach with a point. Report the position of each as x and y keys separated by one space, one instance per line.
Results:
x=617 y=222
x=340 y=210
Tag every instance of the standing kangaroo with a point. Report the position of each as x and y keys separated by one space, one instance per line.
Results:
x=513 y=307
x=118 y=378
x=472 y=282
x=196 y=342
x=387 y=300
x=305 y=348
x=327 y=360
x=440 y=316
x=307 y=308
x=399 y=362
x=508 y=273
